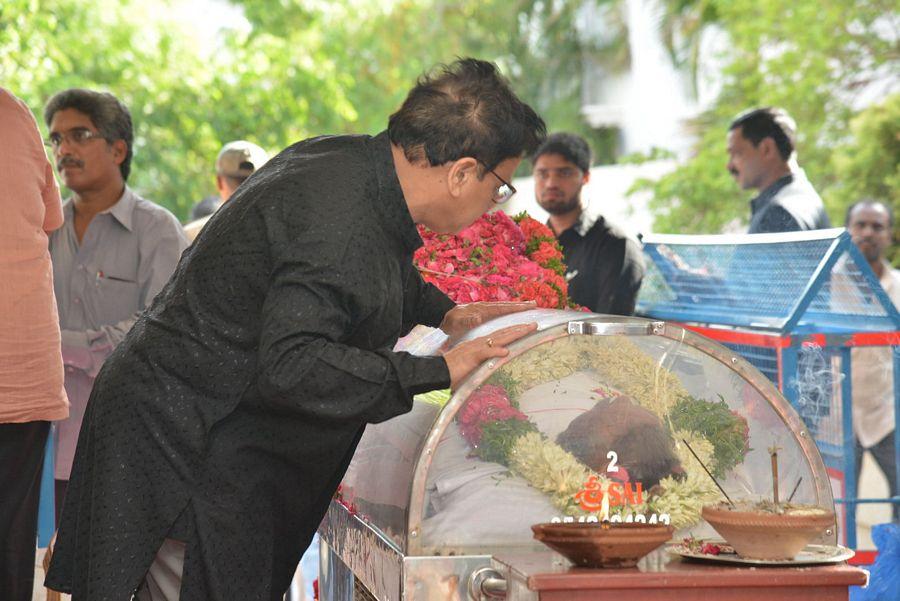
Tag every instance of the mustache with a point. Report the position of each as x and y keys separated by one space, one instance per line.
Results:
x=69 y=162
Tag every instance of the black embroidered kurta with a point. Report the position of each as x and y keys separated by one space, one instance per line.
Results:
x=228 y=415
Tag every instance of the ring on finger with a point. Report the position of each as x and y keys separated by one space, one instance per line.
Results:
x=490 y=342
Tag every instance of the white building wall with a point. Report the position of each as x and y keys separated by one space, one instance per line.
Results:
x=651 y=102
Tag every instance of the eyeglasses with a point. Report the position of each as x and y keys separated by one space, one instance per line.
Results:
x=78 y=135
x=504 y=191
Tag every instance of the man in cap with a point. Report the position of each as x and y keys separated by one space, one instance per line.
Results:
x=236 y=162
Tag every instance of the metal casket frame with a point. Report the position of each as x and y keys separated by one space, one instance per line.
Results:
x=392 y=564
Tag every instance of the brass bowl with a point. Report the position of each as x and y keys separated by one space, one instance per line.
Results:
x=767 y=535
x=594 y=545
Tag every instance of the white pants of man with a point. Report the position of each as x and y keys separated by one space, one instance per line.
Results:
x=163 y=579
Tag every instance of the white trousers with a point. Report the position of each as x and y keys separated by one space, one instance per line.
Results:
x=163 y=579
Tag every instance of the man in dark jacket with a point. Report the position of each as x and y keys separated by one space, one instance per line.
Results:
x=761 y=154
x=218 y=431
x=604 y=266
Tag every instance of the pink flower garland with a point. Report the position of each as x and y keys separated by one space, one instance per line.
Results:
x=488 y=404
x=496 y=259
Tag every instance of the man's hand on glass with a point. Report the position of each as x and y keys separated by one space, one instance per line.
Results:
x=463 y=318
x=465 y=357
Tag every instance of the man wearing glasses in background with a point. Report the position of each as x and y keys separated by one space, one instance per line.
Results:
x=114 y=252
x=604 y=265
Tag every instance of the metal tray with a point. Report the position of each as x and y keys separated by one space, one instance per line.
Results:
x=810 y=555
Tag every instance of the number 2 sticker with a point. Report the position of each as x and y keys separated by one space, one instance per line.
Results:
x=613 y=457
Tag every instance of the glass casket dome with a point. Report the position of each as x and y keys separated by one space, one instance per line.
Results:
x=586 y=404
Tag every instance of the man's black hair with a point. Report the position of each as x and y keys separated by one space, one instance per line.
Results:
x=111 y=118
x=571 y=147
x=465 y=109
x=768 y=122
x=870 y=202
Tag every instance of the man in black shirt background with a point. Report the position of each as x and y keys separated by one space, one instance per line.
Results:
x=762 y=156
x=604 y=266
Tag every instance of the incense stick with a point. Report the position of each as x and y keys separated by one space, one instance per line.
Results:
x=719 y=486
x=796 y=486
x=775 y=477
x=773 y=452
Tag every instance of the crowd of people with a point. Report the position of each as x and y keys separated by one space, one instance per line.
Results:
x=208 y=383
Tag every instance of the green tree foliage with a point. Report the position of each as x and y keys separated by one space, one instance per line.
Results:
x=811 y=57
x=186 y=101
x=302 y=69
x=339 y=66
x=379 y=49
x=868 y=164
x=49 y=45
